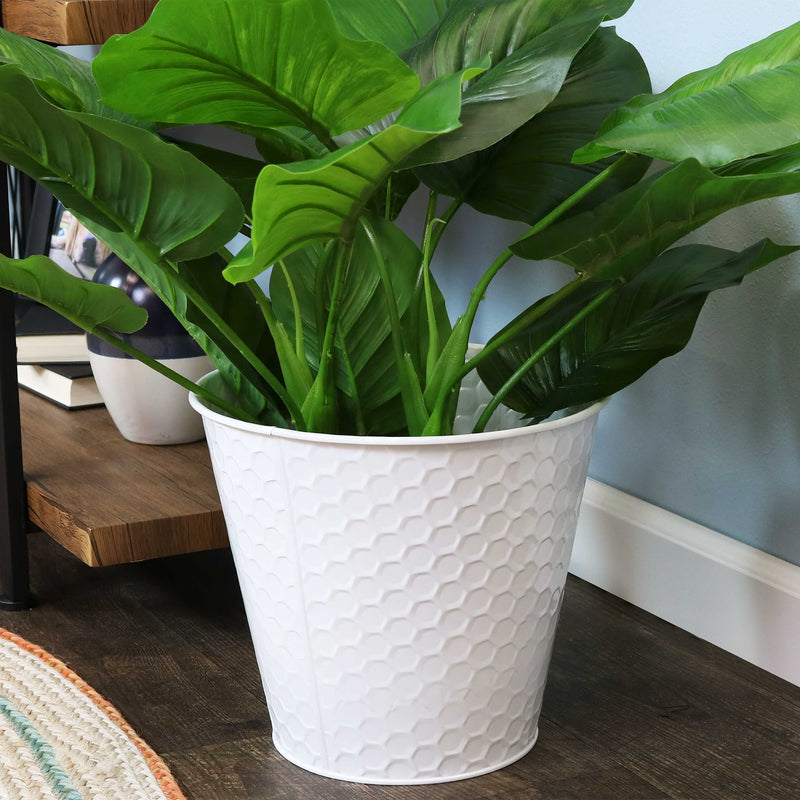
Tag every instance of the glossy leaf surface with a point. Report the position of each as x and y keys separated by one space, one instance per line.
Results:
x=530 y=172
x=622 y=235
x=235 y=302
x=398 y=24
x=472 y=29
x=318 y=200
x=172 y=204
x=743 y=106
x=174 y=207
x=88 y=305
x=62 y=78
x=262 y=68
x=648 y=319
x=366 y=372
x=531 y=46
x=281 y=145
x=239 y=172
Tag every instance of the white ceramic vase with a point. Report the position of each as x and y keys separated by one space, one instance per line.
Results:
x=146 y=407
x=402 y=593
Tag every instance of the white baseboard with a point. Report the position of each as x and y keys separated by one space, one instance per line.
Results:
x=728 y=593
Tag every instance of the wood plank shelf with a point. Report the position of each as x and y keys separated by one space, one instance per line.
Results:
x=74 y=21
x=110 y=501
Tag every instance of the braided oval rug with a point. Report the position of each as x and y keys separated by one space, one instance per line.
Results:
x=60 y=740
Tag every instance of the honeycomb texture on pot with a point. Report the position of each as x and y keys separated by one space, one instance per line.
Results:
x=402 y=599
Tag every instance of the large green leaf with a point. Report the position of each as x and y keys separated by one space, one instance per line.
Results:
x=366 y=371
x=239 y=172
x=745 y=105
x=62 y=78
x=398 y=24
x=282 y=145
x=172 y=207
x=530 y=172
x=88 y=305
x=297 y=204
x=171 y=203
x=622 y=235
x=472 y=29
x=238 y=307
x=531 y=45
x=648 y=319
x=780 y=161
x=515 y=89
x=251 y=63
x=235 y=304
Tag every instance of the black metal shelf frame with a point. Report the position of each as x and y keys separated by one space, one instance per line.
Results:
x=14 y=581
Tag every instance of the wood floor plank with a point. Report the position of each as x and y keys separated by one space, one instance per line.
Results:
x=666 y=706
x=635 y=709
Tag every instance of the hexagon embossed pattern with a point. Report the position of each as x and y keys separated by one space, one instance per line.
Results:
x=402 y=594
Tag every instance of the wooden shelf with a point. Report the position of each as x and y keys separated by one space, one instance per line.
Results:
x=74 y=21
x=109 y=501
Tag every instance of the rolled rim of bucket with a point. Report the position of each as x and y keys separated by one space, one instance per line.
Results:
x=202 y=408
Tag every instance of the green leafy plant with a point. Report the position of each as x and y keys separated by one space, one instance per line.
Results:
x=329 y=319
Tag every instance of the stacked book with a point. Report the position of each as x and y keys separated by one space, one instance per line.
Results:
x=52 y=357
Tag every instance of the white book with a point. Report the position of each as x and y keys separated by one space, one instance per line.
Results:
x=43 y=336
x=68 y=385
x=55 y=348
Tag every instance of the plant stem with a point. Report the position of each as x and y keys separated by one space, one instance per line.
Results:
x=456 y=348
x=262 y=301
x=387 y=211
x=333 y=308
x=361 y=428
x=433 y=331
x=430 y=215
x=479 y=292
x=299 y=344
x=574 y=199
x=522 y=322
x=171 y=269
x=444 y=220
x=539 y=353
x=465 y=323
x=410 y=390
x=213 y=316
x=544 y=222
x=297 y=376
x=134 y=352
x=326 y=350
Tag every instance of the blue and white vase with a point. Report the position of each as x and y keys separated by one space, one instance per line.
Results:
x=146 y=407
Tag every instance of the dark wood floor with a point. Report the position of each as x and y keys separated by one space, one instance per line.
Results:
x=635 y=709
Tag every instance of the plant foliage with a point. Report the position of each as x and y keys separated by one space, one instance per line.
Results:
x=329 y=319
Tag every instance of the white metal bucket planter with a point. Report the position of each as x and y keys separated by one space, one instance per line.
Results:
x=402 y=593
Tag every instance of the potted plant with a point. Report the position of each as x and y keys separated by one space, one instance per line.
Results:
x=402 y=566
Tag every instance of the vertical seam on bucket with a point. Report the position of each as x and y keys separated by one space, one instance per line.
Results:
x=301 y=589
x=588 y=427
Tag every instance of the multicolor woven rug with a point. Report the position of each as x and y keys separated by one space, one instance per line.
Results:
x=60 y=740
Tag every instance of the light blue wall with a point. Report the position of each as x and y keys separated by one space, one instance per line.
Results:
x=713 y=433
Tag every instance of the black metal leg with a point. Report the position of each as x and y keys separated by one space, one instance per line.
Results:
x=14 y=578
